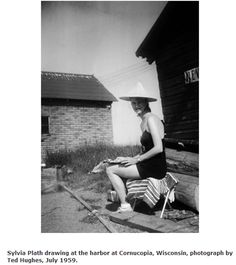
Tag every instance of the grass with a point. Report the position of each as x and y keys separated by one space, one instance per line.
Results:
x=84 y=159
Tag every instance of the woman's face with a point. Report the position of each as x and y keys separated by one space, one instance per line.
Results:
x=139 y=105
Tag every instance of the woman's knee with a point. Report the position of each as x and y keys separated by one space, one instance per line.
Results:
x=110 y=170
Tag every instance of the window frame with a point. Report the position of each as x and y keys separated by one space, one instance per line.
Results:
x=45 y=128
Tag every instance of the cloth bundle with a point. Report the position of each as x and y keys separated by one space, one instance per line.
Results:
x=150 y=190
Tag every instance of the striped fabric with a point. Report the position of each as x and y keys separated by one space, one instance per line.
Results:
x=150 y=190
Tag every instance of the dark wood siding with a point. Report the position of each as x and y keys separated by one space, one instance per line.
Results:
x=173 y=43
x=180 y=101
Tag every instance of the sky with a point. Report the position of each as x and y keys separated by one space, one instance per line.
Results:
x=101 y=38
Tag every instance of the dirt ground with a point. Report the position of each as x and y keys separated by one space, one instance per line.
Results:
x=61 y=213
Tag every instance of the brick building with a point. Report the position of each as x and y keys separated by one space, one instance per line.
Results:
x=75 y=110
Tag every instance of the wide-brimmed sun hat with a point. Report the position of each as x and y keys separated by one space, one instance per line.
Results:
x=138 y=92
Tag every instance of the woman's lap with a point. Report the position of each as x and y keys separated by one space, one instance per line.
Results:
x=130 y=172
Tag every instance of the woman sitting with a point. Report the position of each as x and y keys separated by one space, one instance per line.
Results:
x=152 y=161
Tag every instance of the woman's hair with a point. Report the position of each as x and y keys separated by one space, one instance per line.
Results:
x=147 y=109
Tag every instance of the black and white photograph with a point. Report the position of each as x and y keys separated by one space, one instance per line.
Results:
x=117 y=136
x=120 y=88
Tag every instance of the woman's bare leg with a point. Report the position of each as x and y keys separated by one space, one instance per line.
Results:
x=116 y=173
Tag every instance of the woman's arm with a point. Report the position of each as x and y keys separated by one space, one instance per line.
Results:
x=122 y=159
x=154 y=126
x=138 y=155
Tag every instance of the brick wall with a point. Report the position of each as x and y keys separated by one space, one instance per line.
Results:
x=73 y=126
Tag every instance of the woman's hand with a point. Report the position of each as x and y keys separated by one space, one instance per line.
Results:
x=128 y=161
x=119 y=159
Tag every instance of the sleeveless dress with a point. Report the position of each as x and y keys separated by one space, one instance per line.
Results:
x=155 y=166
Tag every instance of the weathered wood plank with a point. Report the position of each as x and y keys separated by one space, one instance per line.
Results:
x=175 y=86
x=188 y=134
x=179 y=98
x=190 y=114
x=181 y=106
x=182 y=162
x=94 y=212
x=177 y=126
x=128 y=219
x=151 y=223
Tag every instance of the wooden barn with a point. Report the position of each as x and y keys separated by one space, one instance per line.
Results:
x=75 y=110
x=173 y=44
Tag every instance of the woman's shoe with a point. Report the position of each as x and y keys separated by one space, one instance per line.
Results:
x=125 y=208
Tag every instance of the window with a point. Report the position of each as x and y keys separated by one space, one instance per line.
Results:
x=45 y=125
